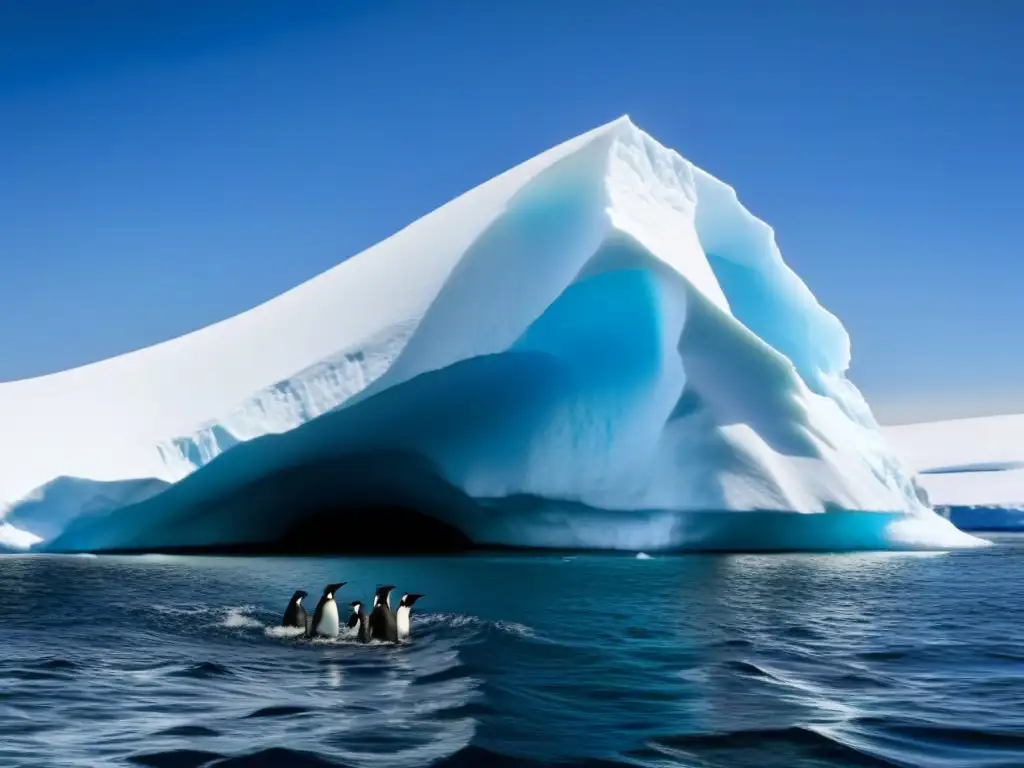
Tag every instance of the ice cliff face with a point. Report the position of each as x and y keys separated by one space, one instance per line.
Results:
x=598 y=348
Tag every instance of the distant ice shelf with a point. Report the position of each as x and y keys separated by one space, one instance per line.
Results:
x=972 y=469
x=600 y=348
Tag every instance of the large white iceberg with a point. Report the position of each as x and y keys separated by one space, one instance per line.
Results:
x=598 y=348
x=972 y=469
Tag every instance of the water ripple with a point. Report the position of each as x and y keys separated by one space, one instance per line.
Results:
x=725 y=661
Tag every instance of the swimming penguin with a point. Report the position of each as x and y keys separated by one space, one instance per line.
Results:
x=361 y=620
x=295 y=614
x=353 y=618
x=382 y=618
x=403 y=614
x=326 y=622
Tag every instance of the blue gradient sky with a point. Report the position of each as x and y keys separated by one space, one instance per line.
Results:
x=166 y=165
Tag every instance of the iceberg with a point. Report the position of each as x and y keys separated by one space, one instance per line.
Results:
x=599 y=348
x=972 y=469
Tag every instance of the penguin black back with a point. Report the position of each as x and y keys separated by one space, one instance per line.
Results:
x=295 y=614
x=382 y=618
x=360 y=619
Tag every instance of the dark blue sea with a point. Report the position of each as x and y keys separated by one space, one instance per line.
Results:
x=520 y=660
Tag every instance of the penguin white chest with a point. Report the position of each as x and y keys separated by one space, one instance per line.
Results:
x=329 y=623
x=402 y=621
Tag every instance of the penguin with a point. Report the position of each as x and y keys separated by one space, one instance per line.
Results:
x=403 y=614
x=295 y=615
x=361 y=620
x=382 y=618
x=326 y=622
x=353 y=618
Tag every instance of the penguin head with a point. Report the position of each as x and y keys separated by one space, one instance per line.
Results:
x=299 y=596
x=330 y=589
x=383 y=595
x=409 y=599
x=357 y=606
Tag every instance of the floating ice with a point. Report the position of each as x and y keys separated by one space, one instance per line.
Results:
x=600 y=348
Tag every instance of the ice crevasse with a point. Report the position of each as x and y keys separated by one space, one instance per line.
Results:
x=600 y=348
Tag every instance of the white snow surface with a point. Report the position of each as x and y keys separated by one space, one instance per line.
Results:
x=603 y=329
x=14 y=539
x=977 y=462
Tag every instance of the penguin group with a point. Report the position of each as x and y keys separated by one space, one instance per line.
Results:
x=381 y=623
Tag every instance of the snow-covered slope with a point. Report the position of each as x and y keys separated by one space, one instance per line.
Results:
x=599 y=348
x=973 y=466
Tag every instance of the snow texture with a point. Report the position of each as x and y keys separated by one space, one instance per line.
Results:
x=15 y=540
x=972 y=469
x=598 y=348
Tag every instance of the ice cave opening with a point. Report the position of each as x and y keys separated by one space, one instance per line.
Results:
x=374 y=503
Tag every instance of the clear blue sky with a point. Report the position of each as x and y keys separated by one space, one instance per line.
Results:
x=166 y=165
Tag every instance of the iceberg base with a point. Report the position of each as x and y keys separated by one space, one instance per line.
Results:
x=542 y=523
x=395 y=503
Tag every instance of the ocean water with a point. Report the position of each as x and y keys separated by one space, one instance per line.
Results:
x=583 y=660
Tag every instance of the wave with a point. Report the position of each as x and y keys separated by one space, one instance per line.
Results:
x=749 y=669
x=203 y=670
x=940 y=734
x=477 y=757
x=424 y=624
x=284 y=632
x=176 y=758
x=240 y=617
x=459 y=621
x=794 y=745
x=182 y=610
x=279 y=711
x=187 y=731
